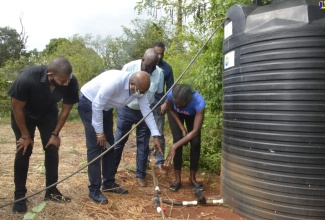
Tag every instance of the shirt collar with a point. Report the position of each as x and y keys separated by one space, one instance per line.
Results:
x=127 y=82
x=44 y=76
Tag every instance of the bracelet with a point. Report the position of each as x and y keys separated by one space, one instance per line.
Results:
x=55 y=134
x=25 y=138
x=100 y=135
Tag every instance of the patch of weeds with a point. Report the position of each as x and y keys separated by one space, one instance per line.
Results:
x=36 y=210
x=83 y=163
x=3 y=140
x=213 y=185
x=74 y=148
x=40 y=168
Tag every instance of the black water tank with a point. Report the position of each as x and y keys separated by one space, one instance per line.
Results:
x=273 y=148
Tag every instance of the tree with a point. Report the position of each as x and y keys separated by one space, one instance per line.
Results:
x=52 y=47
x=143 y=35
x=11 y=45
x=110 y=50
x=86 y=63
x=209 y=82
x=178 y=10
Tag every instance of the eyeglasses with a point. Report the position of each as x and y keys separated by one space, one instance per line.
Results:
x=137 y=90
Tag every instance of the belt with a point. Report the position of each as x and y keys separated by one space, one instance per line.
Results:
x=132 y=108
x=83 y=96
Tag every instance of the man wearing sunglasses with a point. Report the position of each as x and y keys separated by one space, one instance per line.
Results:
x=132 y=114
x=34 y=97
x=109 y=90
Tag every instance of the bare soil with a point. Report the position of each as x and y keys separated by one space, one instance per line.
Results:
x=138 y=204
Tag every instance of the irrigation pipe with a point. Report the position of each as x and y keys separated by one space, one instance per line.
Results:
x=194 y=202
x=156 y=198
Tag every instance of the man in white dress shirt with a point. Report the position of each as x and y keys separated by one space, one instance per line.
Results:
x=98 y=97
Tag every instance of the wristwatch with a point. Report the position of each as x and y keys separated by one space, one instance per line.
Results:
x=55 y=134
x=156 y=136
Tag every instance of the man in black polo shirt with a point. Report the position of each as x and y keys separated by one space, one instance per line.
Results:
x=34 y=96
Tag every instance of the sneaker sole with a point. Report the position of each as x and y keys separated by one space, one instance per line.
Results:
x=102 y=202
x=116 y=191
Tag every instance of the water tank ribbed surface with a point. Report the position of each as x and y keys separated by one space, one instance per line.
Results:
x=273 y=148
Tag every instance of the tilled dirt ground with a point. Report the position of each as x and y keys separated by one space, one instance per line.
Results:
x=138 y=204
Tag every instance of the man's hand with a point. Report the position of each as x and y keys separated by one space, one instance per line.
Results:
x=23 y=143
x=163 y=108
x=101 y=140
x=54 y=140
x=157 y=145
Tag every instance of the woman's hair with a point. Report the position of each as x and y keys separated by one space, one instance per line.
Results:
x=182 y=92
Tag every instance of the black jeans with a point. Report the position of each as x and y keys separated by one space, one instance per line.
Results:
x=45 y=124
x=195 y=143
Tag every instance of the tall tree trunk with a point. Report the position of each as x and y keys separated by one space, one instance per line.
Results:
x=179 y=26
x=179 y=17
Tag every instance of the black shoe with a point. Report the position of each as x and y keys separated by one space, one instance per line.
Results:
x=115 y=189
x=20 y=207
x=98 y=197
x=175 y=186
x=54 y=194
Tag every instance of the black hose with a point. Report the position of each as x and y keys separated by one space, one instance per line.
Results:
x=171 y=202
x=157 y=203
x=199 y=195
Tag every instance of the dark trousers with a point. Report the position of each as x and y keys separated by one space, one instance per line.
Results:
x=160 y=121
x=195 y=143
x=126 y=118
x=102 y=167
x=45 y=124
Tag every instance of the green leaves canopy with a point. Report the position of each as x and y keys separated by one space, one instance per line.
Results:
x=11 y=46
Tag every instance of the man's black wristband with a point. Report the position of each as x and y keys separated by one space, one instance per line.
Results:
x=156 y=136
x=54 y=134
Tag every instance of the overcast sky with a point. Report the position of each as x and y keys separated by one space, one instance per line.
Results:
x=44 y=20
